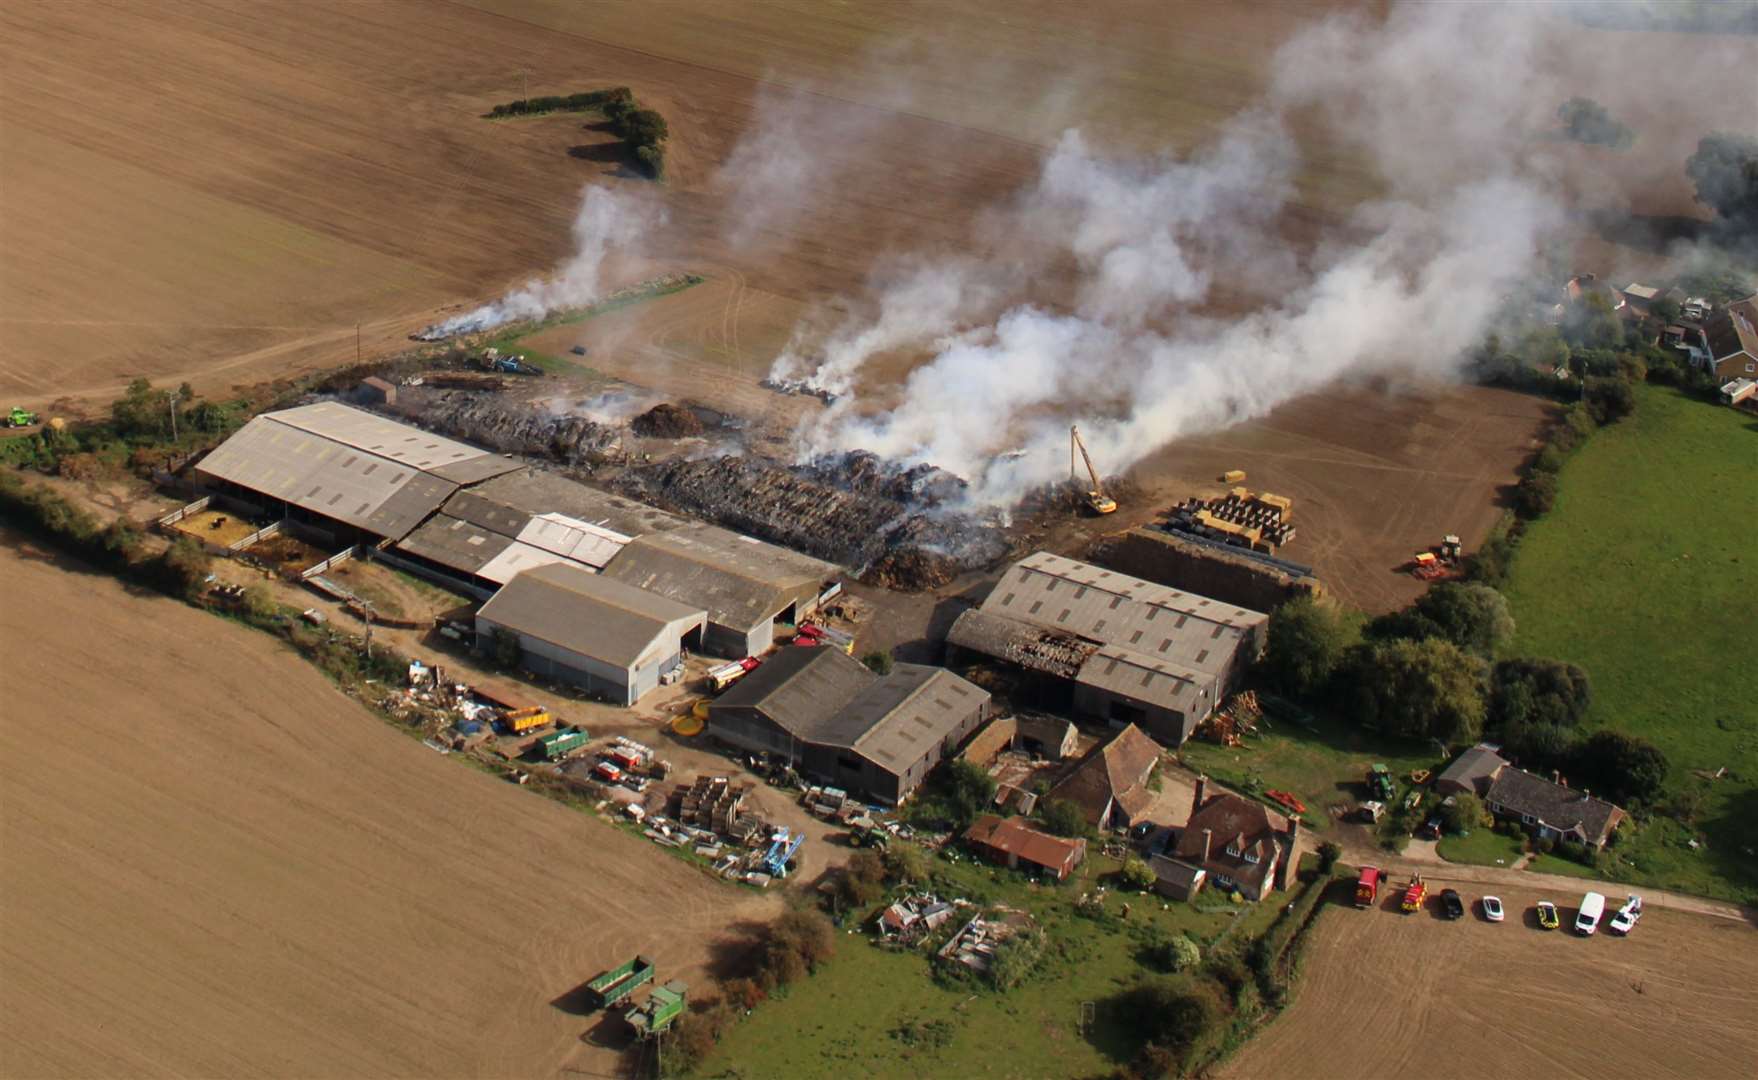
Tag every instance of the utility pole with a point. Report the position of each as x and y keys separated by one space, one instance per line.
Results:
x=524 y=86
x=173 y=402
x=357 y=343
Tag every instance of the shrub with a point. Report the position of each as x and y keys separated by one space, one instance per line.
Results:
x=1328 y=854
x=1179 y=1021
x=1536 y=495
x=1609 y=399
x=906 y=864
x=862 y=880
x=1137 y=874
x=1062 y=817
x=879 y=663
x=806 y=933
x=1464 y=813
x=744 y=994
x=1544 y=845
x=182 y=568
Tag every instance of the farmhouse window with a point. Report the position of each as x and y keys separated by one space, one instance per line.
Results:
x=1223 y=881
x=1252 y=857
x=1233 y=850
x=1528 y=818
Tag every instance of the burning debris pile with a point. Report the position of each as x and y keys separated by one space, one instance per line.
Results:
x=667 y=421
x=514 y=427
x=853 y=510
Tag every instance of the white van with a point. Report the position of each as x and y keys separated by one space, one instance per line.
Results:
x=1587 y=920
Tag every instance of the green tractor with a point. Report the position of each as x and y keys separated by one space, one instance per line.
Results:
x=1379 y=784
x=20 y=418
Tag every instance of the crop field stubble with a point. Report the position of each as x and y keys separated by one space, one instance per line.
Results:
x=218 y=865
x=1383 y=993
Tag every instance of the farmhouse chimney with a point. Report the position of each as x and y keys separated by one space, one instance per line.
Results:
x=1201 y=783
x=1556 y=776
x=1208 y=839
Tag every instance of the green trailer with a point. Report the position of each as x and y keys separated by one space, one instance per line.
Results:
x=663 y=1006
x=619 y=982
x=562 y=743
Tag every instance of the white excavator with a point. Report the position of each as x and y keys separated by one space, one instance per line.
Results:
x=1097 y=501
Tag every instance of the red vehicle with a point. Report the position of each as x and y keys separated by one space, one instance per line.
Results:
x=1286 y=799
x=607 y=772
x=1415 y=894
x=625 y=757
x=1367 y=887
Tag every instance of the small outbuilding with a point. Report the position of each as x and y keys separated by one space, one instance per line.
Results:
x=582 y=628
x=1014 y=842
x=1110 y=785
x=1472 y=772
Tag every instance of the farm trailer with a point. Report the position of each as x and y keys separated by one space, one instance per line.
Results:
x=663 y=1006
x=621 y=981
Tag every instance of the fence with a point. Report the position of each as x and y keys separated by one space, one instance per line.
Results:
x=334 y=560
x=256 y=537
x=175 y=516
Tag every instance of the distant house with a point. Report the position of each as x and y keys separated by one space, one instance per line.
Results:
x=1551 y=808
x=1014 y=842
x=1472 y=772
x=1232 y=842
x=1732 y=335
x=1110 y=785
x=1688 y=340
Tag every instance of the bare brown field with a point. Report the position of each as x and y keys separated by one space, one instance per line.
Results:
x=1376 y=475
x=1386 y=994
x=217 y=865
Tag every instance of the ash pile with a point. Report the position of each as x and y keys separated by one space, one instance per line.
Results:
x=515 y=427
x=891 y=523
x=667 y=421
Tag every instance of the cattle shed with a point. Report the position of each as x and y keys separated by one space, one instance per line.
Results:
x=836 y=721
x=582 y=628
x=1130 y=650
x=1014 y=841
x=745 y=585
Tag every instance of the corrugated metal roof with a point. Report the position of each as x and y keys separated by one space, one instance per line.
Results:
x=802 y=688
x=908 y=711
x=516 y=497
x=1162 y=624
x=455 y=543
x=387 y=438
x=739 y=580
x=572 y=539
x=588 y=614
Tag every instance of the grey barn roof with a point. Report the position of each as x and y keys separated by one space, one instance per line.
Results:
x=507 y=502
x=1473 y=768
x=802 y=688
x=1561 y=808
x=1109 y=630
x=821 y=695
x=588 y=614
x=349 y=465
x=740 y=581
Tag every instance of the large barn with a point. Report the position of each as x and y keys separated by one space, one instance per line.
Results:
x=836 y=721
x=583 y=628
x=1128 y=650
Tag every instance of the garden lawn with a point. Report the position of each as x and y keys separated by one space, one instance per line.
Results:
x=1483 y=847
x=1646 y=575
x=843 y=1021
x=1323 y=764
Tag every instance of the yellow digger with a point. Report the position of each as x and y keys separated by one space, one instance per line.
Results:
x=1097 y=501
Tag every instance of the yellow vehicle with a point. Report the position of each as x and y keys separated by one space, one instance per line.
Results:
x=519 y=721
x=1097 y=501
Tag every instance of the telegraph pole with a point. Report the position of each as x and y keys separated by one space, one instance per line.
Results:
x=357 y=343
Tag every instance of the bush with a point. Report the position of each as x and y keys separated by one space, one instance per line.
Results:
x=879 y=663
x=1527 y=691
x=743 y=994
x=1429 y=689
x=1328 y=854
x=1015 y=958
x=182 y=568
x=1137 y=874
x=806 y=933
x=1179 y=1021
x=1544 y=845
x=504 y=649
x=1536 y=495
x=862 y=880
x=1609 y=399
x=1466 y=812
x=906 y=864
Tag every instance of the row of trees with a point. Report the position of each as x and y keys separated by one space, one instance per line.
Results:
x=1429 y=671
x=644 y=130
x=588 y=101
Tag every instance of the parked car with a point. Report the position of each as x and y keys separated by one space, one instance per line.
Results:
x=1588 y=915
x=1547 y=915
x=1431 y=829
x=1625 y=920
x=1452 y=904
x=1492 y=908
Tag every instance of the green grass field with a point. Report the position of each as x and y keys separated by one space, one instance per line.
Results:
x=841 y=1021
x=1482 y=848
x=1646 y=574
x=1321 y=764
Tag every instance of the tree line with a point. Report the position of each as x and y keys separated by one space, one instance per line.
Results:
x=644 y=131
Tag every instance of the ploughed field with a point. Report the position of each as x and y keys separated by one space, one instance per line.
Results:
x=217 y=865
x=1387 y=994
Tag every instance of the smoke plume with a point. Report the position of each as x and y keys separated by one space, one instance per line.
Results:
x=607 y=222
x=1190 y=309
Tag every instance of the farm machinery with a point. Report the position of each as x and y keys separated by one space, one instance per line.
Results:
x=20 y=418
x=619 y=982
x=781 y=851
x=1379 y=784
x=663 y=1006
x=492 y=360
x=1440 y=561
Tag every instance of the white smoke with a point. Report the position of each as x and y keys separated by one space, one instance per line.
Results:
x=608 y=222
x=1438 y=101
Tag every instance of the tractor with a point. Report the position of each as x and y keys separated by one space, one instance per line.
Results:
x=1379 y=784
x=20 y=418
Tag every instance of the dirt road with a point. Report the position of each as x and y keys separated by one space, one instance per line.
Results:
x=217 y=865
x=1386 y=994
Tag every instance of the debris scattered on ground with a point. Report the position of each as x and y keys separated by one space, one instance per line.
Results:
x=516 y=427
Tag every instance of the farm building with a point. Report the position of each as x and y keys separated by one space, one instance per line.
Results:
x=1551 y=808
x=1732 y=334
x=345 y=471
x=1233 y=842
x=833 y=719
x=583 y=628
x=1110 y=785
x=745 y=585
x=1015 y=843
x=1132 y=652
x=1472 y=772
